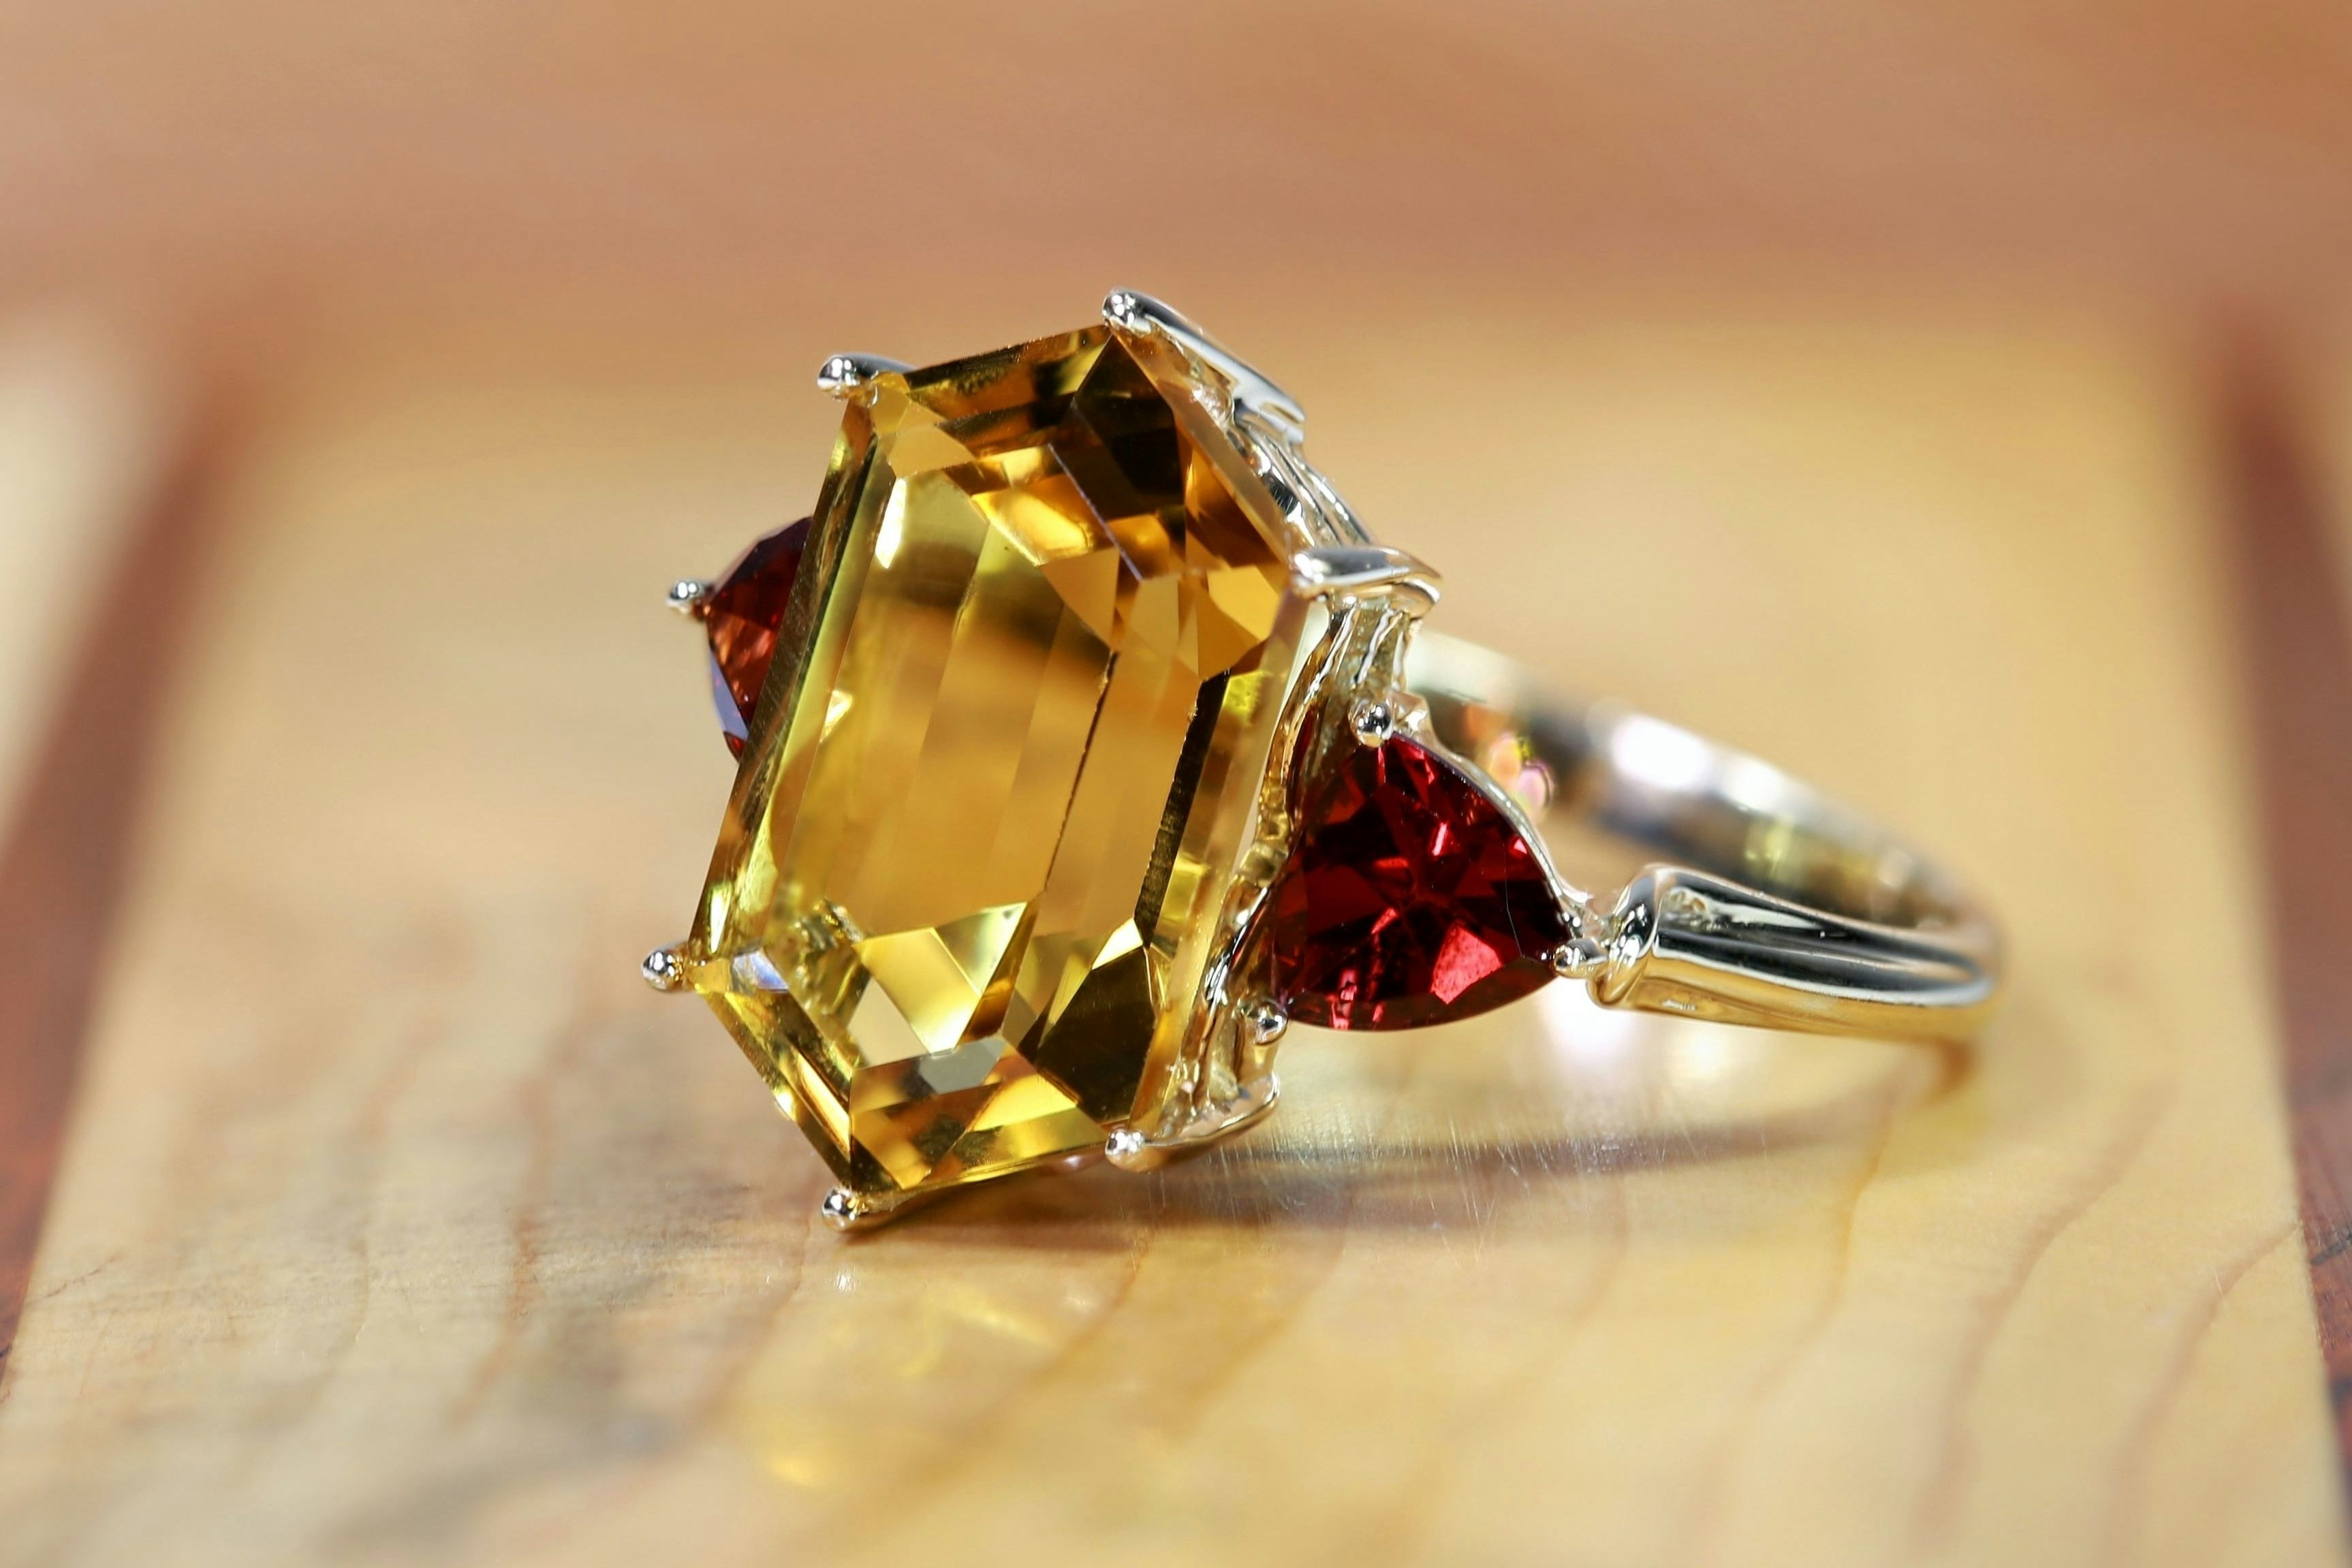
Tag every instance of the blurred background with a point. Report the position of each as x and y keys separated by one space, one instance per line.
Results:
x=1954 y=402
x=235 y=183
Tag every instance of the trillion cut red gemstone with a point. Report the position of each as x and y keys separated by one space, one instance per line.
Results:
x=742 y=615
x=1409 y=898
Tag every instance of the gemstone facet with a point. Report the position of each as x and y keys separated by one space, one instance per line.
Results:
x=1410 y=897
x=1028 y=676
x=741 y=616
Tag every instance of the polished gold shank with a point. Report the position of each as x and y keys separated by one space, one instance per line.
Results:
x=1772 y=905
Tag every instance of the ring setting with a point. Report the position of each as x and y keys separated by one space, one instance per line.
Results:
x=1088 y=739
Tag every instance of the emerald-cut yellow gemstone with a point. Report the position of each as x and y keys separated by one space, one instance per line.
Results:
x=1001 y=772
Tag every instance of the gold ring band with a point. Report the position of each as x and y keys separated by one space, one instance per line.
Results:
x=1773 y=905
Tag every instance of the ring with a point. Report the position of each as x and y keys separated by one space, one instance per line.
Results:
x=1087 y=740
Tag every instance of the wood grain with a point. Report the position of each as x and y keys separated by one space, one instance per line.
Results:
x=2298 y=649
x=399 y=1223
x=88 y=645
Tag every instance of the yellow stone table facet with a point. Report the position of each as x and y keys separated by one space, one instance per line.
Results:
x=999 y=776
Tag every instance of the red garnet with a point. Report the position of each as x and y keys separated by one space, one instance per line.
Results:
x=1409 y=898
x=742 y=615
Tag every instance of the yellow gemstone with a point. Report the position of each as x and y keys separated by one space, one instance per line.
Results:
x=1003 y=768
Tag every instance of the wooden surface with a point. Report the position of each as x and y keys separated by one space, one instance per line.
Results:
x=86 y=425
x=87 y=640
x=398 y=1223
x=2286 y=501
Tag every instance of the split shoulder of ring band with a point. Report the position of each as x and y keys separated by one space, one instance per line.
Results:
x=1088 y=739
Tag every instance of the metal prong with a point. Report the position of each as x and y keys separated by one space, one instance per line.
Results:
x=1250 y=388
x=690 y=597
x=663 y=970
x=1134 y=313
x=843 y=374
x=1579 y=958
x=1263 y=1016
x=1330 y=570
x=1374 y=722
x=1130 y=1149
x=843 y=1210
